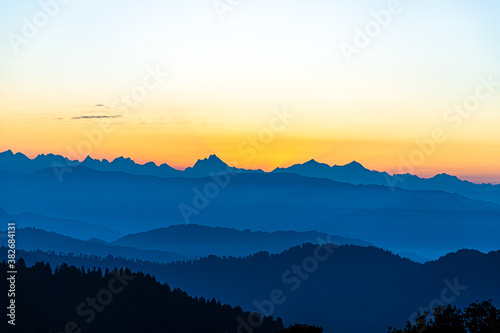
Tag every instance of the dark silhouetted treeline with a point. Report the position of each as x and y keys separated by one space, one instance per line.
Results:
x=354 y=290
x=81 y=300
x=478 y=317
x=300 y=328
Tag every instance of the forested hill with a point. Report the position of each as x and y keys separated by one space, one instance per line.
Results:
x=354 y=289
x=81 y=300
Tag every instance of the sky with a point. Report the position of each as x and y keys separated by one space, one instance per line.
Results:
x=399 y=86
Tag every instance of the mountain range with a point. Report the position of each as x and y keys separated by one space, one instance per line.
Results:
x=20 y=163
x=353 y=173
x=259 y=201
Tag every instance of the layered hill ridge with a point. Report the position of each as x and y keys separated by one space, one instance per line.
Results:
x=362 y=289
x=268 y=202
x=72 y=228
x=35 y=239
x=174 y=243
x=199 y=241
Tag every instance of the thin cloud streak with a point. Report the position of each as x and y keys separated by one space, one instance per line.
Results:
x=91 y=117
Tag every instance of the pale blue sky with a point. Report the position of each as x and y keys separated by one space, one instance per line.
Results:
x=265 y=53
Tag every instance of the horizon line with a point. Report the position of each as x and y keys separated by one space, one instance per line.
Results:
x=234 y=166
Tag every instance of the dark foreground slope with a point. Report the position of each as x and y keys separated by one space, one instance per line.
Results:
x=356 y=289
x=75 y=300
x=352 y=289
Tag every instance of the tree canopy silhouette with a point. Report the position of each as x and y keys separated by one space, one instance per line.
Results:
x=301 y=328
x=478 y=317
x=77 y=300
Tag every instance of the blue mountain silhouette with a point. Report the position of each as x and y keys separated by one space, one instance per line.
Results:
x=353 y=173
x=36 y=239
x=198 y=240
x=268 y=201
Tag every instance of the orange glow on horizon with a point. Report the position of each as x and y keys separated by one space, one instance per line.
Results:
x=379 y=156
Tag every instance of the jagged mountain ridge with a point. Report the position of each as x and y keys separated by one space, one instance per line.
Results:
x=20 y=163
x=353 y=173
